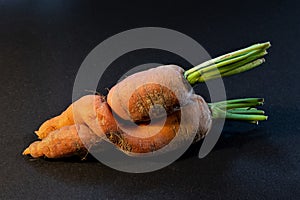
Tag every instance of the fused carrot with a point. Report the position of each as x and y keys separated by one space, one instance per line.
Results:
x=170 y=86
x=148 y=98
x=193 y=119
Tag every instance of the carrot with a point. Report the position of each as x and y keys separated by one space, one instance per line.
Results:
x=194 y=118
x=197 y=120
x=89 y=110
x=71 y=140
x=91 y=114
x=169 y=85
x=64 y=119
x=133 y=99
x=63 y=142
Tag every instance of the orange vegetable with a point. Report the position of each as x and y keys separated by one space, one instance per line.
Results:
x=63 y=142
x=70 y=139
x=136 y=99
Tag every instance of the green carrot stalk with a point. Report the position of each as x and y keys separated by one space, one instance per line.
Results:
x=239 y=109
x=228 y=64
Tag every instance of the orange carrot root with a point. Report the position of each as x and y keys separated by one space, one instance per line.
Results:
x=87 y=109
x=132 y=98
x=90 y=118
x=95 y=120
x=148 y=138
x=60 y=139
x=64 y=119
x=94 y=111
x=63 y=142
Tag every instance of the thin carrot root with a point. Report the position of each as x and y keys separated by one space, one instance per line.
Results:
x=63 y=142
x=64 y=119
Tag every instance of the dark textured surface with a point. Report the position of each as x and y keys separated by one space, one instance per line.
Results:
x=42 y=44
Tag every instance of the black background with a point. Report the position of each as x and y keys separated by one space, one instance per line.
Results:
x=43 y=43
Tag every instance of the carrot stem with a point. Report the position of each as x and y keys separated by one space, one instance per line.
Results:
x=228 y=64
x=239 y=109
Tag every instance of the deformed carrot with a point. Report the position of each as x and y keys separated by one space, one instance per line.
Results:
x=132 y=98
x=191 y=120
x=136 y=98
x=91 y=114
x=71 y=140
x=194 y=119
x=63 y=142
x=169 y=85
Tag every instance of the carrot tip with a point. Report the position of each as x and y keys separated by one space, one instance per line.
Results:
x=40 y=136
x=26 y=151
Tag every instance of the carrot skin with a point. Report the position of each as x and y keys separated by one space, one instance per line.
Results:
x=132 y=98
x=64 y=119
x=97 y=122
x=89 y=110
x=196 y=122
x=63 y=142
